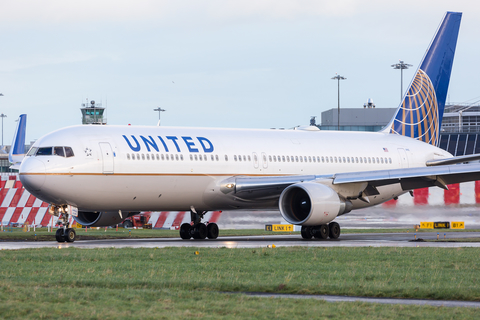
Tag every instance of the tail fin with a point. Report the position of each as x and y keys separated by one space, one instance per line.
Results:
x=419 y=116
x=17 y=151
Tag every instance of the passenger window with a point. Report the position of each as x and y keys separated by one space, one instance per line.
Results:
x=270 y=158
x=204 y=157
x=244 y=158
x=143 y=156
x=158 y=157
x=296 y=159
x=148 y=156
x=335 y=159
x=199 y=157
x=331 y=159
x=283 y=158
x=226 y=158
x=216 y=157
x=128 y=156
x=212 y=157
x=176 y=157
x=234 y=157
x=45 y=151
x=390 y=160
x=138 y=156
x=196 y=158
x=181 y=157
x=249 y=159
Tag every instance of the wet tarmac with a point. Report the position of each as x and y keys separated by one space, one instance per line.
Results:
x=345 y=240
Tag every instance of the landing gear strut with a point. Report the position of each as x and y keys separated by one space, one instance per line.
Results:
x=323 y=231
x=64 y=233
x=197 y=229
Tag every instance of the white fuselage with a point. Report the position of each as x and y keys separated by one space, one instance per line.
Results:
x=133 y=168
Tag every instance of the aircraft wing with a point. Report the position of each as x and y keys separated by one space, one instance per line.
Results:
x=409 y=179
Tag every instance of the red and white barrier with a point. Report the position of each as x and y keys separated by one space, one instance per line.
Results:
x=18 y=206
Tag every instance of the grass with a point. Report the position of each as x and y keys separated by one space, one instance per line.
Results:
x=41 y=234
x=176 y=282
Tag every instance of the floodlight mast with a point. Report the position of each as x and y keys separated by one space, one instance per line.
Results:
x=160 y=110
x=338 y=78
x=401 y=65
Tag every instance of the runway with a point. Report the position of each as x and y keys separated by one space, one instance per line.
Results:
x=345 y=240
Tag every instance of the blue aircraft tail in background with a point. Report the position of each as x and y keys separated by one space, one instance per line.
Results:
x=17 y=151
x=419 y=116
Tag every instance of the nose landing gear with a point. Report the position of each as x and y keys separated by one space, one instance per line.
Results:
x=64 y=233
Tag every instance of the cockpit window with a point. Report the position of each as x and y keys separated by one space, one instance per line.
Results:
x=45 y=151
x=32 y=151
x=48 y=151
x=68 y=152
x=58 y=151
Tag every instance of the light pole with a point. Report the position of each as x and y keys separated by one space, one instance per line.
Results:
x=401 y=65
x=338 y=78
x=2 y=116
x=160 y=110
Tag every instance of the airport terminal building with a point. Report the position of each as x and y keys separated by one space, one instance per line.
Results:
x=459 y=133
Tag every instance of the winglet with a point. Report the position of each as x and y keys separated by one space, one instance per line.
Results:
x=419 y=116
x=17 y=151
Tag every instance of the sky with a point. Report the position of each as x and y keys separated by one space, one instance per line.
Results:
x=217 y=63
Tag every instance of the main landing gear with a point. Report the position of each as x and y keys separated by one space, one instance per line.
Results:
x=64 y=233
x=197 y=229
x=323 y=231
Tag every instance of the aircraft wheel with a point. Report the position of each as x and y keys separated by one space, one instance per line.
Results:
x=185 y=231
x=59 y=236
x=199 y=231
x=320 y=232
x=70 y=235
x=334 y=230
x=306 y=232
x=212 y=230
x=127 y=224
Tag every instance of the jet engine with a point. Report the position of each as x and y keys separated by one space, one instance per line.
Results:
x=101 y=219
x=311 y=204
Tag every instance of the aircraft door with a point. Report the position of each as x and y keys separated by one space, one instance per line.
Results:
x=403 y=157
x=107 y=157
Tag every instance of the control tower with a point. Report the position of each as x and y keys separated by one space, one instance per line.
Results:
x=92 y=113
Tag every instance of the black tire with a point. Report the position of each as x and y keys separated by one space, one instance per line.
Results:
x=127 y=224
x=212 y=231
x=199 y=231
x=306 y=232
x=334 y=230
x=185 y=231
x=320 y=232
x=70 y=235
x=59 y=235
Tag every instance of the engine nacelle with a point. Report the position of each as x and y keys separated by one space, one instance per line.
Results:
x=311 y=204
x=101 y=219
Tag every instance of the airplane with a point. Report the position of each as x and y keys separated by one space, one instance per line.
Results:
x=102 y=174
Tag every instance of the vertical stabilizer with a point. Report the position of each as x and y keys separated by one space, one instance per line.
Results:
x=17 y=151
x=419 y=116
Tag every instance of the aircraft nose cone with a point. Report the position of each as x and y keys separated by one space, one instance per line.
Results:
x=32 y=174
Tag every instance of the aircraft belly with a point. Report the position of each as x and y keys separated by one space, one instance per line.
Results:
x=125 y=192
